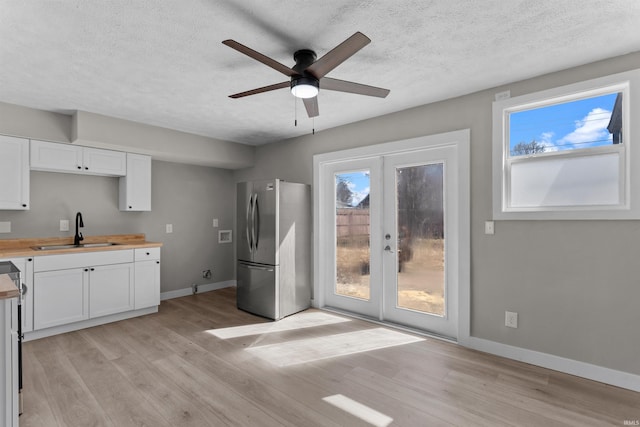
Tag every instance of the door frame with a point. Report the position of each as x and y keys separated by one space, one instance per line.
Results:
x=459 y=139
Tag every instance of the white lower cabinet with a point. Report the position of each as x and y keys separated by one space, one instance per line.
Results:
x=147 y=292
x=60 y=297
x=147 y=277
x=111 y=289
x=73 y=288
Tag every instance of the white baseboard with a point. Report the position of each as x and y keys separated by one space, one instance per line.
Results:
x=201 y=288
x=557 y=363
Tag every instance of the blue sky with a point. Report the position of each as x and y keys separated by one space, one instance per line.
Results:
x=572 y=125
x=359 y=184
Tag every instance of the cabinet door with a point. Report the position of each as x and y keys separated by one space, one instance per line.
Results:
x=110 y=289
x=14 y=173
x=60 y=297
x=104 y=162
x=147 y=284
x=51 y=156
x=135 y=188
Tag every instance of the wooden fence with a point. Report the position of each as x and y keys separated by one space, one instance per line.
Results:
x=352 y=225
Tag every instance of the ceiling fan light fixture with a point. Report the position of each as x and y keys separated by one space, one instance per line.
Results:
x=305 y=87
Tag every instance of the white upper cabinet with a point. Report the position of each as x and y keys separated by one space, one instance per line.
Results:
x=14 y=173
x=49 y=156
x=104 y=162
x=135 y=187
x=55 y=157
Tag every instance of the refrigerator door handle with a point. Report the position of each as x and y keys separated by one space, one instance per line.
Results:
x=249 y=231
x=253 y=222
x=256 y=221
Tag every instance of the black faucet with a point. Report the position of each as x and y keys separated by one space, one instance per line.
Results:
x=79 y=223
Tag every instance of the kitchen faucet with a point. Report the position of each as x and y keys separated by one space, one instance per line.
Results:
x=79 y=223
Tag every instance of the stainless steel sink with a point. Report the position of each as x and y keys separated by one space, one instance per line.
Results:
x=59 y=247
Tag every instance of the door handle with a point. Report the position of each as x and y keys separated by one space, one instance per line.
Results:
x=256 y=213
x=388 y=249
x=249 y=207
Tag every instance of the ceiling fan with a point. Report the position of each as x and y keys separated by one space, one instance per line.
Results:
x=308 y=75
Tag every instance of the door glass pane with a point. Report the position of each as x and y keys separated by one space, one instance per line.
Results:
x=420 y=266
x=352 y=234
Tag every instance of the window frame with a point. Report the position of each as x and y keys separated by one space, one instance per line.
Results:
x=629 y=186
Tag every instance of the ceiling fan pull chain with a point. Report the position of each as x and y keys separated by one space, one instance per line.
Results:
x=313 y=130
x=295 y=111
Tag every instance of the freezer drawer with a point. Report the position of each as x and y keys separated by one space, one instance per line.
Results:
x=257 y=289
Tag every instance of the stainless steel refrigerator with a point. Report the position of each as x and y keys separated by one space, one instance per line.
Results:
x=273 y=248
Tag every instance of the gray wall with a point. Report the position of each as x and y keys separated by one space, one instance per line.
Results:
x=574 y=284
x=187 y=196
x=95 y=130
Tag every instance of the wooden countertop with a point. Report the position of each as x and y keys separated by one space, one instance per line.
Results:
x=25 y=247
x=8 y=289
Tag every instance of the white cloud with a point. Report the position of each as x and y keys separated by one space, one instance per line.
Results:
x=358 y=196
x=546 y=139
x=589 y=132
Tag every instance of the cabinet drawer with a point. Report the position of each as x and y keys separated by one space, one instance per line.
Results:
x=62 y=262
x=145 y=254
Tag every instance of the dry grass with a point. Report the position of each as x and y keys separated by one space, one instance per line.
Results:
x=420 y=283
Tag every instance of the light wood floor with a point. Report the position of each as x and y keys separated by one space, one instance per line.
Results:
x=165 y=369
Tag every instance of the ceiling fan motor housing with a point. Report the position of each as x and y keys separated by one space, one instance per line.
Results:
x=304 y=80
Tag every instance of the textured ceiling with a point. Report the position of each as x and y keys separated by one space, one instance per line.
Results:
x=161 y=62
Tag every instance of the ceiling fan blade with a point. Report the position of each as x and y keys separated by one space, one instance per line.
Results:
x=351 y=87
x=311 y=104
x=261 y=90
x=260 y=57
x=338 y=55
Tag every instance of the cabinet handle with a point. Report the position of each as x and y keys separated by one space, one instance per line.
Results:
x=79 y=167
x=130 y=207
x=86 y=269
x=29 y=259
x=93 y=269
x=86 y=168
x=148 y=253
x=24 y=205
x=157 y=262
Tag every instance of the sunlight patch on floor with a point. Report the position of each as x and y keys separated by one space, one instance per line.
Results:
x=359 y=410
x=297 y=321
x=308 y=350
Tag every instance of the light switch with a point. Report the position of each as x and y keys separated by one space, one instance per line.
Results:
x=215 y=222
x=64 y=225
x=489 y=227
x=5 y=226
x=169 y=228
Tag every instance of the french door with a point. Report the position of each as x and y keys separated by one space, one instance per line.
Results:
x=391 y=240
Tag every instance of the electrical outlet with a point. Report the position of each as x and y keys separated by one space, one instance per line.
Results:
x=5 y=227
x=510 y=319
x=64 y=225
x=194 y=288
x=215 y=222
x=489 y=227
x=169 y=228
x=206 y=274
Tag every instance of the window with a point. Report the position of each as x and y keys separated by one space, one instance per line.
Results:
x=568 y=153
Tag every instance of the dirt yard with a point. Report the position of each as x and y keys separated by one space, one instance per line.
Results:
x=420 y=283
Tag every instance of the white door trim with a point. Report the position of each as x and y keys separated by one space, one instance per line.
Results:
x=461 y=140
